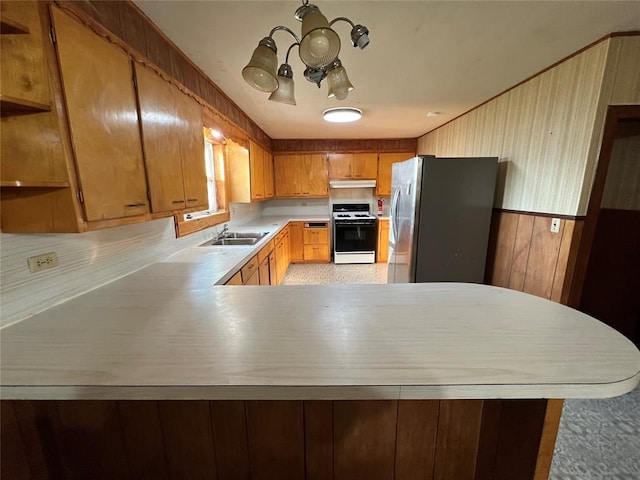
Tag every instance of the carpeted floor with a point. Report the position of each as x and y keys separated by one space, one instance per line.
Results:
x=597 y=440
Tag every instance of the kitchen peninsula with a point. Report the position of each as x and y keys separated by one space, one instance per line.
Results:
x=161 y=372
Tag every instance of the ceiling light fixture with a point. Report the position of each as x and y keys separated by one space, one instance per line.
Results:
x=318 y=48
x=342 y=114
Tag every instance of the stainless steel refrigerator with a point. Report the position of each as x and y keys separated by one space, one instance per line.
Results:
x=440 y=218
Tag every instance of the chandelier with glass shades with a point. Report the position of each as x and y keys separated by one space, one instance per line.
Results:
x=318 y=47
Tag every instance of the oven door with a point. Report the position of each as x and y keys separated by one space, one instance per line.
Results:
x=355 y=236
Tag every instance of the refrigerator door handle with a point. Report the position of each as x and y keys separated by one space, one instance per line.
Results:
x=394 y=214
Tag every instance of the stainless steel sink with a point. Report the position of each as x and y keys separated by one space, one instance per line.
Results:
x=236 y=238
x=256 y=235
x=231 y=241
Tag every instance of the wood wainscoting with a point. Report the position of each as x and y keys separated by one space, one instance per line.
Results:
x=264 y=440
x=525 y=255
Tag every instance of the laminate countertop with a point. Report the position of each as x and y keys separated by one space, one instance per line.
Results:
x=167 y=332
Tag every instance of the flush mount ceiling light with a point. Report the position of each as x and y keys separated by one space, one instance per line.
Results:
x=318 y=48
x=342 y=114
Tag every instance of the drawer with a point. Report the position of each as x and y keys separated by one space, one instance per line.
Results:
x=266 y=250
x=315 y=236
x=316 y=253
x=249 y=269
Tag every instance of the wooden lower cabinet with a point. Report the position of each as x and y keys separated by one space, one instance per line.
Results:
x=263 y=272
x=383 y=240
x=296 y=242
x=310 y=242
x=293 y=439
x=315 y=237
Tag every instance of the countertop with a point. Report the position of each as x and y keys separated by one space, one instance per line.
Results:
x=166 y=332
x=219 y=263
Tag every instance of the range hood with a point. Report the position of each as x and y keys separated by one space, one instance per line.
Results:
x=352 y=183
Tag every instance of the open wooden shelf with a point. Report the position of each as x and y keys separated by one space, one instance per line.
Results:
x=10 y=106
x=32 y=184
x=8 y=27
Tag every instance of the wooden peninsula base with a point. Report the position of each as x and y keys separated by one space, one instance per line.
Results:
x=283 y=439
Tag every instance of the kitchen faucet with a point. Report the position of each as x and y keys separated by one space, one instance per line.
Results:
x=224 y=231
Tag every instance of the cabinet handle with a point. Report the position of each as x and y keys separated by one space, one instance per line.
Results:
x=357 y=175
x=177 y=201
x=258 y=195
x=305 y=193
x=134 y=205
x=192 y=199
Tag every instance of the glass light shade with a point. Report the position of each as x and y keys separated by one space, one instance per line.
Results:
x=320 y=45
x=342 y=114
x=284 y=92
x=260 y=72
x=339 y=84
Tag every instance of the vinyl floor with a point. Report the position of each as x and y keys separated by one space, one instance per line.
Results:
x=597 y=439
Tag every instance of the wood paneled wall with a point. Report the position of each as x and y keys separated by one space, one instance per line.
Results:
x=130 y=25
x=346 y=145
x=264 y=440
x=525 y=255
x=541 y=130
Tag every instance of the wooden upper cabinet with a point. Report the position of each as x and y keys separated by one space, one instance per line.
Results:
x=286 y=177
x=365 y=166
x=385 y=162
x=173 y=144
x=194 y=174
x=353 y=166
x=314 y=176
x=340 y=166
x=250 y=172
x=268 y=174
x=301 y=176
x=161 y=139
x=256 y=171
x=103 y=119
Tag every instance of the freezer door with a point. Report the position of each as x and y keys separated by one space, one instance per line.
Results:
x=405 y=186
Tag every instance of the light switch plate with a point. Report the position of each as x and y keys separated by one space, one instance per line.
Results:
x=555 y=225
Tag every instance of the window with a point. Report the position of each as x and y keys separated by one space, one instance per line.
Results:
x=214 y=160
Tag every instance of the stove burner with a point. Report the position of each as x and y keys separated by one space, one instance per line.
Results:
x=342 y=215
x=361 y=215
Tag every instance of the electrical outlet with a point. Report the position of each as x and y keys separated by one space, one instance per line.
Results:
x=42 y=262
x=555 y=225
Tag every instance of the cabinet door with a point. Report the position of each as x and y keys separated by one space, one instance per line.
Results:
x=287 y=248
x=268 y=174
x=286 y=169
x=365 y=166
x=281 y=266
x=263 y=272
x=256 y=172
x=314 y=176
x=273 y=280
x=383 y=240
x=385 y=163
x=340 y=166
x=253 y=279
x=161 y=140
x=296 y=242
x=194 y=173
x=103 y=118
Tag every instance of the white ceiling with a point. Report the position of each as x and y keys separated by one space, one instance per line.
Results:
x=424 y=56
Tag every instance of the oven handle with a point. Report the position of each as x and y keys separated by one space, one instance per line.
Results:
x=355 y=224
